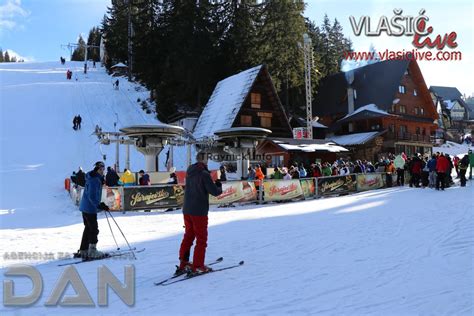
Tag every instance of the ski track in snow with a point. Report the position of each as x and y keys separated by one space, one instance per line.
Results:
x=397 y=251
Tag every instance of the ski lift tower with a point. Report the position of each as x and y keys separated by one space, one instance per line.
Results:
x=308 y=62
x=151 y=139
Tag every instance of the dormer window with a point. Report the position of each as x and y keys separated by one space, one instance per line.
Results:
x=255 y=100
x=401 y=89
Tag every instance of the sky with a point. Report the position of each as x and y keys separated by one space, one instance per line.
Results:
x=36 y=29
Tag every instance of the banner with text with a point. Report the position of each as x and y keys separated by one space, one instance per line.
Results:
x=235 y=191
x=337 y=184
x=279 y=190
x=370 y=181
x=152 y=197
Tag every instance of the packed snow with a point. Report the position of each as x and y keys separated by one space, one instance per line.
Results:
x=395 y=251
x=354 y=139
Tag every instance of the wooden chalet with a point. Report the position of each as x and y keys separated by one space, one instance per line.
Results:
x=389 y=99
x=242 y=100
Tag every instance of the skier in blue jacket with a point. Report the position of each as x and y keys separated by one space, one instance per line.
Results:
x=90 y=206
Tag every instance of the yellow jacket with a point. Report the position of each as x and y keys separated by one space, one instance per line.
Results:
x=127 y=178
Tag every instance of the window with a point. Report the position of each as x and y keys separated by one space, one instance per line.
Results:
x=414 y=92
x=393 y=108
x=417 y=110
x=403 y=109
x=351 y=127
x=422 y=111
x=418 y=131
x=391 y=128
x=423 y=131
x=401 y=89
x=355 y=94
x=246 y=120
x=266 y=121
x=403 y=129
x=375 y=127
x=255 y=100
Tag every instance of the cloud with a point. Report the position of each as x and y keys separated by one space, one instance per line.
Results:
x=11 y=14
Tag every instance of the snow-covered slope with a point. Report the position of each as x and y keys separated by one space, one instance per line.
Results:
x=39 y=148
x=396 y=251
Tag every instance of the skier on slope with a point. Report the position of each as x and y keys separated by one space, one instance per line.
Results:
x=90 y=206
x=199 y=185
x=79 y=121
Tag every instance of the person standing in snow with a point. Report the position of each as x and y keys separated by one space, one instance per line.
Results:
x=462 y=165
x=144 y=178
x=79 y=121
x=223 y=176
x=442 y=166
x=399 y=163
x=74 y=123
x=116 y=84
x=90 y=206
x=112 y=178
x=198 y=186
x=127 y=178
x=432 y=171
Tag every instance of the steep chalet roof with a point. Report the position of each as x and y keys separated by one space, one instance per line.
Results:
x=225 y=103
x=375 y=83
x=446 y=93
x=354 y=139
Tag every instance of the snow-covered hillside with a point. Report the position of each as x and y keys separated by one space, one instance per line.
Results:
x=39 y=148
x=396 y=251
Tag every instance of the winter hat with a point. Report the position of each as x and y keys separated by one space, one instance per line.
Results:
x=141 y=171
x=99 y=164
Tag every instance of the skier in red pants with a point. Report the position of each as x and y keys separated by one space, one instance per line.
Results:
x=199 y=185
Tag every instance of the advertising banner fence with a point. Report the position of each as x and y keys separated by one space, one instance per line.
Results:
x=235 y=191
x=152 y=197
x=279 y=190
x=370 y=181
x=336 y=184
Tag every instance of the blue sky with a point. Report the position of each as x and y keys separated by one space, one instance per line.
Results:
x=35 y=29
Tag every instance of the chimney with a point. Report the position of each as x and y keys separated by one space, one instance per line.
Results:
x=350 y=91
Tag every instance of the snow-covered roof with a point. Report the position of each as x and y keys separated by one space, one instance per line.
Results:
x=319 y=125
x=119 y=65
x=353 y=139
x=329 y=146
x=225 y=103
x=369 y=107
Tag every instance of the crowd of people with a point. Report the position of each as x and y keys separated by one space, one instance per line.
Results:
x=416 y=171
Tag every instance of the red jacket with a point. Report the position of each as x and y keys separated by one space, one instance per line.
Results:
x=442 y=164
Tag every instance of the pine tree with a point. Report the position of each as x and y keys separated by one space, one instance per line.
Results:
x=1 y=55
x=80 y=51
x=6 y=57
x=94 y=40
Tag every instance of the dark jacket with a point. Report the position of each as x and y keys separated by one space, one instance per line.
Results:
x=432 y=164
x=81 y=178
x=92 y=193
x=144 y=180
x=112 y=178
x=199 y=185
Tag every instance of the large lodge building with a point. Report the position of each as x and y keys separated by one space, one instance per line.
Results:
x=370 y=111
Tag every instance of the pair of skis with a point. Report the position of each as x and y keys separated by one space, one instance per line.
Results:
x=186 y=276
x=109 y=255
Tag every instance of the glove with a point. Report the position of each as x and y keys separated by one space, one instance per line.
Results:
x=218 y=183
x=103 y=206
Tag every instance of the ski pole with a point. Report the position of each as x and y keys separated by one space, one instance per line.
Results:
x=133 y=253
x=113 y=236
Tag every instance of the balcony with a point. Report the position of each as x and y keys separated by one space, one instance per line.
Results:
x=410 y=137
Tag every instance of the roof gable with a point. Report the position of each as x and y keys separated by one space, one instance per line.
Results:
x=225 y=102
x=446 y=93
x=375 y=83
